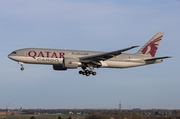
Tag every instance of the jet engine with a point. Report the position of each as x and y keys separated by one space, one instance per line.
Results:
x=70 y=63
x=58 y=67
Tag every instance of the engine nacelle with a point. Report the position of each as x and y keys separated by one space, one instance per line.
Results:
x=58 y=67
x=70 y=63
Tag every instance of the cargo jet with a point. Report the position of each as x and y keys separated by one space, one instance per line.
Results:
x=88 y=60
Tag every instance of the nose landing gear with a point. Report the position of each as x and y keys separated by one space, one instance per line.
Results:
x=21 y=63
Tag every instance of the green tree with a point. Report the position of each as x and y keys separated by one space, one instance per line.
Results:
x=156 y=113
x=32 y=117
x=60 y=117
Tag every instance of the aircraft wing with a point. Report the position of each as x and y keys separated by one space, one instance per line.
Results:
x=157 y=58
x=104 y=56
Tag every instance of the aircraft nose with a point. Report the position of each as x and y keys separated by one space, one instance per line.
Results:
x=9 y=56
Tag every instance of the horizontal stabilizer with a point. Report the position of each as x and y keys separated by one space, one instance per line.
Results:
x=157 y=58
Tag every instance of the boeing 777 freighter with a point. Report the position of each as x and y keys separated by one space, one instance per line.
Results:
x=72 y=59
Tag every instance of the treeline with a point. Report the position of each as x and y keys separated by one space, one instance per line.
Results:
x=161 y=112
x=129 y=116
x=157 y=112
x=106 y=114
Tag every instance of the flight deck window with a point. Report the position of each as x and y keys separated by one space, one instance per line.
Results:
x=13 y=53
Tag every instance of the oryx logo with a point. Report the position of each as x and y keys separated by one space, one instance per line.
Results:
x=70 y=62
x=152 y=47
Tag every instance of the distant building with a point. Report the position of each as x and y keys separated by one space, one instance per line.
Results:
x=70 y=112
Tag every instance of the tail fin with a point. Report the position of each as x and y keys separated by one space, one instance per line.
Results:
x=150 y=48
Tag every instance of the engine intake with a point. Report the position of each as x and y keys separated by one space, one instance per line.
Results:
x=58 y=67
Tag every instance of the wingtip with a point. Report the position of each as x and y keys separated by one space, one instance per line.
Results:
x=135 y=46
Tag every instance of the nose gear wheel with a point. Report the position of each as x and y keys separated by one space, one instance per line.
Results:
x=22 y=68
x=21 y=63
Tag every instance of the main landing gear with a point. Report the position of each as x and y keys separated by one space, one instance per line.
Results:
x=87 y=72
x=21 y=63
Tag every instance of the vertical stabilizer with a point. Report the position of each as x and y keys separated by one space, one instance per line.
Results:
x=150 y=48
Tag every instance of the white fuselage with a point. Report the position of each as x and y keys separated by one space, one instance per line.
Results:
x=55 y=57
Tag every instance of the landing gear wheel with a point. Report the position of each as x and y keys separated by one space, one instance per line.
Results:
x=94 y=73
x=80 y=72
x=83 y=73
x=87 y=71
x=22 y=68
x=87 y=74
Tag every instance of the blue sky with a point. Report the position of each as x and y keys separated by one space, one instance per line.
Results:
x=97 y=25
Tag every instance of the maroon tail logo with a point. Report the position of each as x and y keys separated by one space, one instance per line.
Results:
x=152 y=47
x=70 y=62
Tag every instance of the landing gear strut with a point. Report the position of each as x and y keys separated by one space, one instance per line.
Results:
x=21 y=63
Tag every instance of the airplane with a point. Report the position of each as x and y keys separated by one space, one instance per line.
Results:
x=72 y=59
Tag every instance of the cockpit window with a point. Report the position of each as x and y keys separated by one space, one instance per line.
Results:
x=13 y=53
